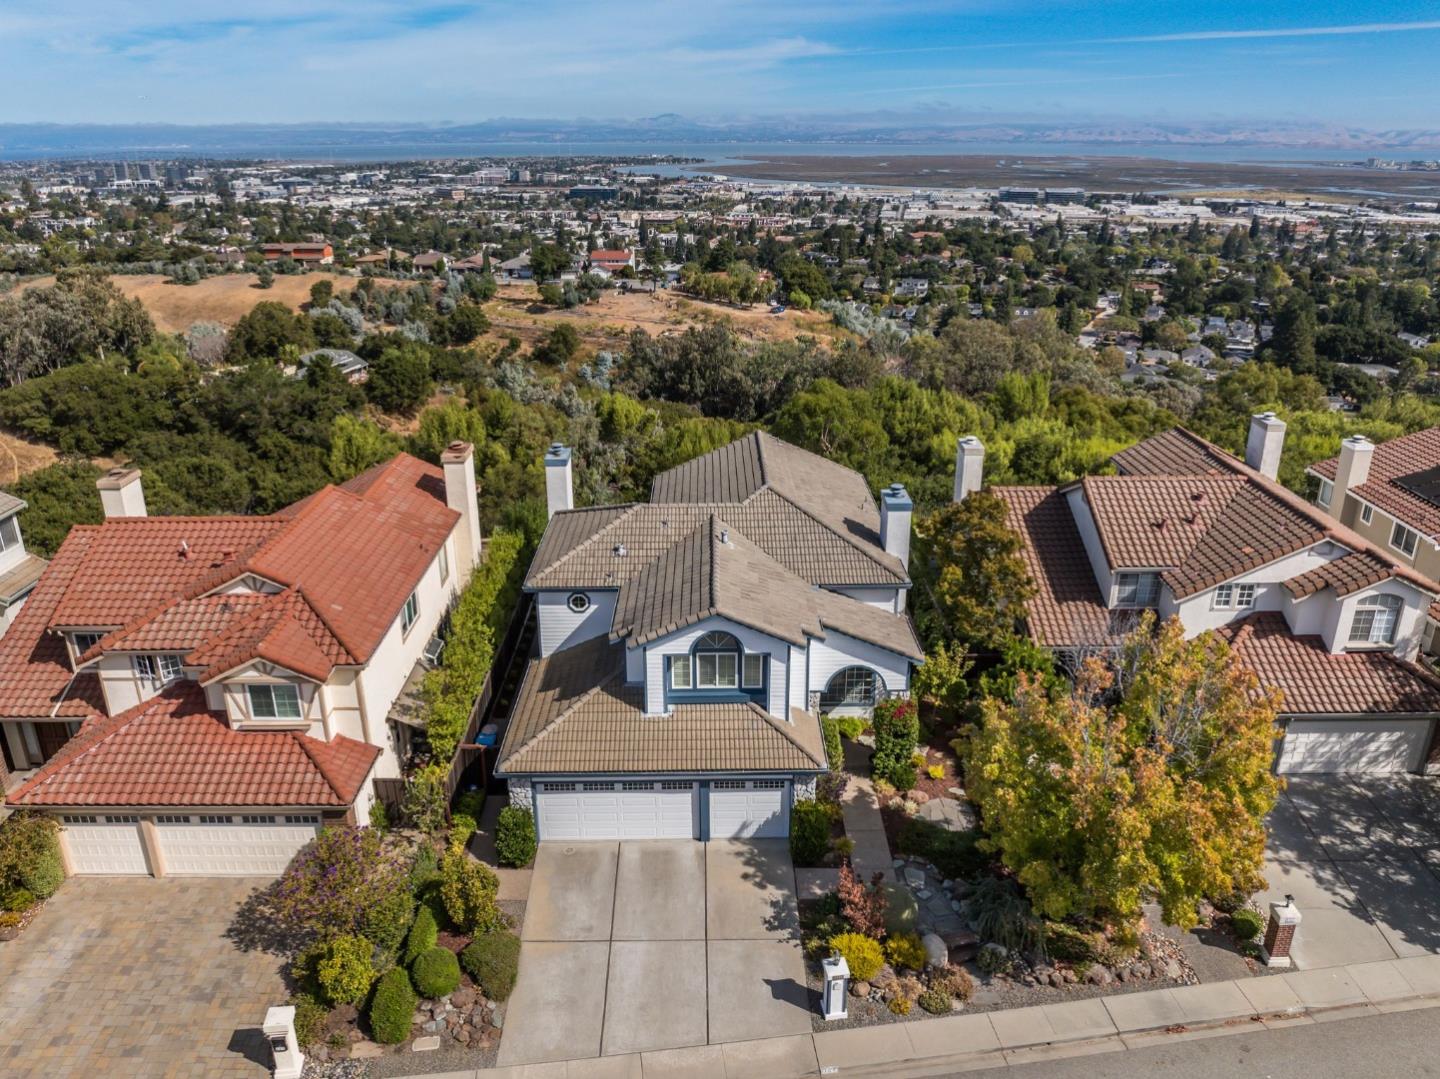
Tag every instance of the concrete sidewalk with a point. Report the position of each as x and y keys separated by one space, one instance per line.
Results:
x=1025 y=1035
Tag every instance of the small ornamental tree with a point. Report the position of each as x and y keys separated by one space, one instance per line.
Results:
x=897 y=731
x=1151 y=779
x=333 y=884
x=861 y=905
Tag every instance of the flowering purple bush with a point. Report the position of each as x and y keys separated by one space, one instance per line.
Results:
x=335 y=881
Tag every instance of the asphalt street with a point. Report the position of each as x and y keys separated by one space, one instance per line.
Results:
x=1378 y=1046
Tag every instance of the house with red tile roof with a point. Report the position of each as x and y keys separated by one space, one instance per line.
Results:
x=688 y=646
x=197 y=695
x=611 y=261
x=19 y=569
x=1332 y=619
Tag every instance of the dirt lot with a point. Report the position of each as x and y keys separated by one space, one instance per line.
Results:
x=606 y=323
x=18 y=457
x=216 y=299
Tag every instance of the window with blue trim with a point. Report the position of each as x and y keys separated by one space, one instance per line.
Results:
x=717 y=664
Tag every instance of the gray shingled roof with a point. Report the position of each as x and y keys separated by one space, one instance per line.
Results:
x=10 y=504
x=575 y=715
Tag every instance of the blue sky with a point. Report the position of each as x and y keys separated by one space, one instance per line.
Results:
x=200 y=61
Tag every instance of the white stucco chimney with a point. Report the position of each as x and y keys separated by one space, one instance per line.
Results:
x=559 y=484
x=969 y=466
x=1267 y=439
x=458 y=461
x=896 y=509
x=121 y=494
x=1351 y=470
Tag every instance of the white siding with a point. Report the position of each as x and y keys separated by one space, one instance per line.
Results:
x=1198 y=612
x=680 y=643
x=560 y=627
x=799 y=687
x=837 y=651
x=887 y=599
x=118 y=682
x=1080 y=510
x=634 y=665
x=1408 y=633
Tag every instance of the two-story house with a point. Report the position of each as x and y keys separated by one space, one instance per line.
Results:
x=1313 y=607
x=196 y=695
x=688 y=645
x=19 y=569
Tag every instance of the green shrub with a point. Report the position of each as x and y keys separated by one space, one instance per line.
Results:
x=471 y=803
x=425 y=868
x=899 y=1005
x=834 y=752
x=1002 y=915
x=897 y=730
x=493 y=960
x=424 y=803
x=862 y=954
x=30 y=854
x=809 y=832
x=379 y=817
x=388 y=921
x=851 y=727
x=462 y=827
x=906 y=950
x=309 y=1018
x=467 y=888
x=435 y=972
x=343 y=969
x=955 y=854
x=515 y=836
x=422 y=936
x=392 y=1008
x=902 y=912
x=18 y=900
x=993 y=958
x=934 y=1001
x=1246 y=923
x=1068 y=944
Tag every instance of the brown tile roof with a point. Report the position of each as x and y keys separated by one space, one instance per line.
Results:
x=1067 y=607
x=171 y=751
x=1315 y=681
x=181 y=626
x=284 y=629
x=575 y=714
x=1156 y=521
x=1176 y=452
x=1345 y=575
x=1402 y=472
x=21 y=576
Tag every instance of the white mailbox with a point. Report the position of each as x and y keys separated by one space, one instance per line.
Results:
x=284 y=1046
x=837 y=984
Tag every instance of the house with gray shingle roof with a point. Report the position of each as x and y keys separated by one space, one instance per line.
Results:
x=1332 y=619
x=688 y=646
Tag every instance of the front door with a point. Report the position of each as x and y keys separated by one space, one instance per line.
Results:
x=51 y=737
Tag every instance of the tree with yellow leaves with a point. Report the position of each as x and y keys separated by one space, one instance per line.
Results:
x=1149 y=780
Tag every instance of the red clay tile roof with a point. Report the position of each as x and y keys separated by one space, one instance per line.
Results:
x=1345 y=575
x=1176 y=452
x=1397 y=467
x=180 y=626
x=1067 y=607
x=1156 y=521
x=283 y=629
x=1315 y=681
x=171 y=751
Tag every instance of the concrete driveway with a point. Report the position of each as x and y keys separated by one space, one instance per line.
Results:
x=136 y=977
x=1361 y=856
x=648 y=945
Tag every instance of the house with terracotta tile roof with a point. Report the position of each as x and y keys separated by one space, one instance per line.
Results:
x=1317 y=610
x=689 y=645
x=197 y=695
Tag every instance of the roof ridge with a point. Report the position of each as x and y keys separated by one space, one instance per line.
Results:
x=302 y=740
x=591 y=539
x=781 y=726
x=864 y=549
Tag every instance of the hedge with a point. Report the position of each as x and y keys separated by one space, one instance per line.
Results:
x=515 y=837
x=392 y=1007
x=493 y=960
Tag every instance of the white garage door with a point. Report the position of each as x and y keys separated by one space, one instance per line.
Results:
x=749 y=809
x=101 y=844
x=618 y=809
x=252 y=845
x=1396 y=745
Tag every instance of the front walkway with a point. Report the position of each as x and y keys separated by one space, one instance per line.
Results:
x=861 y=810
x=135 y=977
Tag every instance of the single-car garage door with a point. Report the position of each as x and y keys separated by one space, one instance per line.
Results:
x=225 y=845
x=749 y=809
x=1380 y=745
x=618 y=809
x=101 y=844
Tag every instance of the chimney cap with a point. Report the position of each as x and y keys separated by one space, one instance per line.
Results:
x=118 y=477
x=457 y=451
x=557 y=454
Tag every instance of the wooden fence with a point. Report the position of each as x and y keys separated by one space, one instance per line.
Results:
x=391 y=792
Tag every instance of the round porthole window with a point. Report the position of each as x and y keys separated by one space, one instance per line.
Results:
x=579 y=602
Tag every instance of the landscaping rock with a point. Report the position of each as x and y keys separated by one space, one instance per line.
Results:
x=859 y=989
x=497 y=1020
x=1173 y=969
x=902 y=914
x=425 y=1045
x=914 y=877
x=1099 y=974
x=365 y=1049
x=937 y=953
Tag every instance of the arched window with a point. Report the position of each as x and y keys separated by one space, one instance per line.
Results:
x=717 y=661
x=1376 y=618
x=852 y=688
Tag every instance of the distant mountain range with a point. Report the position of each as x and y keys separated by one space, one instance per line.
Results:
x=659 y=134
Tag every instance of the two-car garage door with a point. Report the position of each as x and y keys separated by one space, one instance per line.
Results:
x=662 y=809
x=195 y=844
x=1366 y=746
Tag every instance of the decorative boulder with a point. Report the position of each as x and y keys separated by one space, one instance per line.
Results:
x=936 y=953
x=902 y=912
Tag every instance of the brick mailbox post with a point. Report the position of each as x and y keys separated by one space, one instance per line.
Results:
x=1280 y=933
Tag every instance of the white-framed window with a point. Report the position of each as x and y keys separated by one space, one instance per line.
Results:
x=716 y=670
x=1367 y=513
x=410 y=613
x=444 y=563
x=302 y=818
x=1137 y=589
x=1244 y=596
x=680 y=673
x=752 y=673
x=278 y=700
x=1376 y=620
x=79 y=818
x=9 y=533
x=257 y=818
x=85 y=641
x=1404 y=539
x=1224 y=597
x=157 y=671
x=214 y=818
x=166 y=818
x=1327 y=492
x=578 y=602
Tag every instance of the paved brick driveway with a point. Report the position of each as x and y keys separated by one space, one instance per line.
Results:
x=135 y=977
